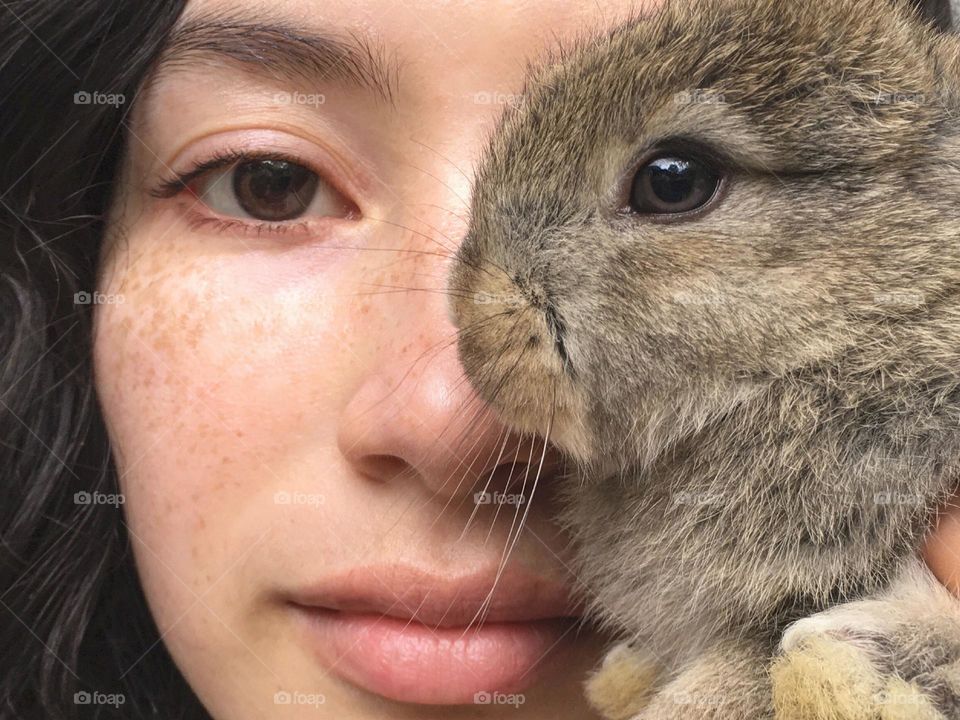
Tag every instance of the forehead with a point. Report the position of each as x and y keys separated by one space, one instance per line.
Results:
x=442 y=39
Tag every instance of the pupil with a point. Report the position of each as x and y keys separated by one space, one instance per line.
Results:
x=672 y=179
x=673 y=185
x=274 y=189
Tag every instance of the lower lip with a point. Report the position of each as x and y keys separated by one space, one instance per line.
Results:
x=410 y=662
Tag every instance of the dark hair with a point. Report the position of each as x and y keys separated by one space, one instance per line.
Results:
x=73 y=618
x=937 y=11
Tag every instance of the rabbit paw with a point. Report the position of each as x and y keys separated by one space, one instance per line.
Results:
x=622 y=686
x=845 y=665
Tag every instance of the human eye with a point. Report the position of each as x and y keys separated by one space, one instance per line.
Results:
x=256 y=191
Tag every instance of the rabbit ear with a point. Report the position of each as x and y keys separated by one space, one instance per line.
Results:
x=940 y=13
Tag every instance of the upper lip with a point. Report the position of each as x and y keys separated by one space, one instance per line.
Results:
x=408 y=593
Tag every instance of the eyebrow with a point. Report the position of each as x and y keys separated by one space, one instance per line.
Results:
x=279 y=49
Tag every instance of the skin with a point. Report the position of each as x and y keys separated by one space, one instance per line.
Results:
x=322 y=362
x=237 y=367
x=941 y=550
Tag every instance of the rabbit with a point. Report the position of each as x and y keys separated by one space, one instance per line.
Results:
x=714 y=257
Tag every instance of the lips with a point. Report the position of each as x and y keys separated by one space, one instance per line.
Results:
x=418 y=637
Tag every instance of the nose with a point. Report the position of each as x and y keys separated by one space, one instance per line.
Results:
x=420 y=421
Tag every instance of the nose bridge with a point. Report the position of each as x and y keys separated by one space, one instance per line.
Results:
x=414 y=415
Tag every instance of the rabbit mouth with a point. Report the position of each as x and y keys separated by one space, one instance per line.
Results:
x=559 y=329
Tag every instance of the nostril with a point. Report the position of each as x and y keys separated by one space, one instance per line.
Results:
x=539 y=297
x=384 y=468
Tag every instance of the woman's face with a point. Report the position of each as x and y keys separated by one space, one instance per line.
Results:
x=297 y=446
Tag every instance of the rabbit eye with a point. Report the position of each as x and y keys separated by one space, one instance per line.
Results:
x=673 y=184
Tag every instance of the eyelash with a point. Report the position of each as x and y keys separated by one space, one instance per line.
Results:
x=177 y=183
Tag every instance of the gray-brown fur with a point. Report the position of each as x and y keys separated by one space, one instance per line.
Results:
x=763 y=403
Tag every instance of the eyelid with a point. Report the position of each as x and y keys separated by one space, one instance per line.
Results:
x=178 y=182
x=215 y=150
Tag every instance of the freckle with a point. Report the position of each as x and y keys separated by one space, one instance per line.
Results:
x=239 y=433
x=162 y=342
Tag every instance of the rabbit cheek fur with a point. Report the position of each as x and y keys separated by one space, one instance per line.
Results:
x=762 y=402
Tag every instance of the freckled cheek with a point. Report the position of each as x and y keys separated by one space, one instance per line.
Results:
x=218 y=390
